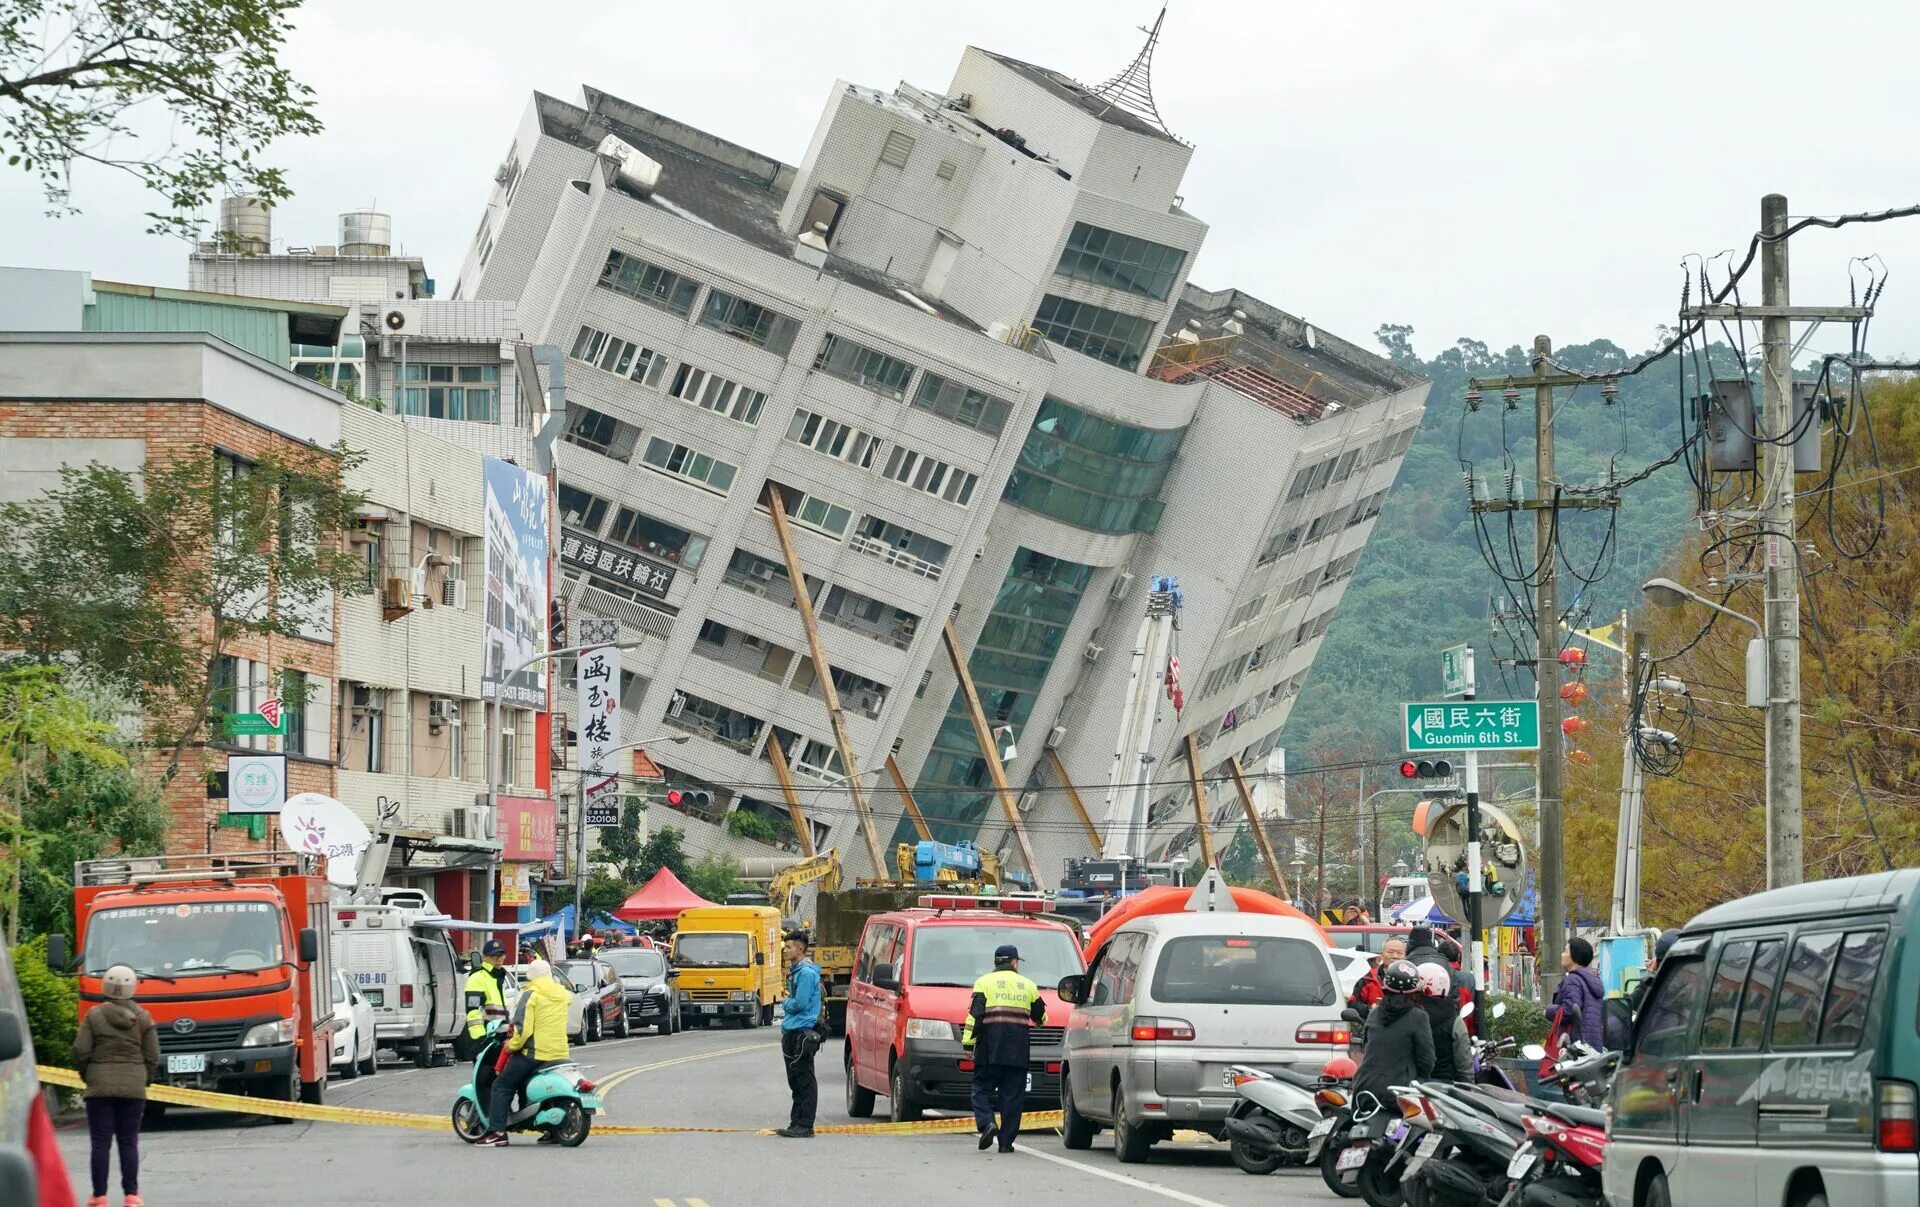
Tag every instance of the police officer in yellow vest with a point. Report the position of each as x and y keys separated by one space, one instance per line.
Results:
x=483 y=993
x=1006 y=1007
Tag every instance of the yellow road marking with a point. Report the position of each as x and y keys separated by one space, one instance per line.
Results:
x=603 y=1088
x=696 y=1203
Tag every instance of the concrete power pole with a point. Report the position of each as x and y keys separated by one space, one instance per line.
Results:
x=1785 y=864
x=1546 y=618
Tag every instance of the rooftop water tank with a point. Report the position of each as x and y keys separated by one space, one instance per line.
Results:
x=246 y=225
x=366 y=233
x=638 y=171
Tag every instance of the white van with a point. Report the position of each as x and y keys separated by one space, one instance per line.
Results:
x=1171 y=1002
x=407 y=970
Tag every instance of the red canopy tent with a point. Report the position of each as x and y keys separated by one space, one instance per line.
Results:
x=661 y=897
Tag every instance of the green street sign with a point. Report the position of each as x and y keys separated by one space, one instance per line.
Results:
x=253 y=725
x=1456 y=670
x=1472 y=725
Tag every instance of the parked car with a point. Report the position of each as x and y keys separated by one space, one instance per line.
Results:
x=354 y=1043
x=1350 y=965
x=1775 y=1018
x=650 y=985
x=606 y=1011
x=1172 y=1003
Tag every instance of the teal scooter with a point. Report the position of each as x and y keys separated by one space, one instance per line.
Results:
x=560 y=1102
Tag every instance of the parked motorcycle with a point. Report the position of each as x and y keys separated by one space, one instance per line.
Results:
x=1560 y=1165
x=560 y=1102
x=1476 y=1132
x=1268 y=1127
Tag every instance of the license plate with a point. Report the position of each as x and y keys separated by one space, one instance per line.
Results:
x=1428 y=1146
x=1521 y=1163
x=1320 y=1129
x=1353 y=1157
x=709 y=1008
x=375 y=997
x=187 y=1062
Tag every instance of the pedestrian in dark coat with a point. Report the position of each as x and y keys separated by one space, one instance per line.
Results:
x=1581 y=989
x=1400 y=1043
x=115 y=1053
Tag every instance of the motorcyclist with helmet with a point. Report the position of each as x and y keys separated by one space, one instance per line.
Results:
x=1452 y=1051
x=1400 y=1047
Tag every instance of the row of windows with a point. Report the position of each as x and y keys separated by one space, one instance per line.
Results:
x=1321 y=526
x=750 y=321
x=1760 y=996
x=835 y=439
x=618 y=356
x=1120 y=261
x=710 y=392
x=962 y=403
x=1106 y=335
x=683 y=462
x=1092 y=472
x=863 y=366
x=929 y=476
x=468 y=392
x=649 y=283
x=1337 y=469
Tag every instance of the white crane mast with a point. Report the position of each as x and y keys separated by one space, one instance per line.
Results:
x=1129 y=791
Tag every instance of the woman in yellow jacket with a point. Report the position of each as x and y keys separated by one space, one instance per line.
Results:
x=539 y=1038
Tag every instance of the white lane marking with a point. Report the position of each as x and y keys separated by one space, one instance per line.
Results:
x=1165 y=1192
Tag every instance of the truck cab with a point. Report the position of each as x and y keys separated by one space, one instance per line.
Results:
x=728 y=958
x=912 y=985
x=232 y=967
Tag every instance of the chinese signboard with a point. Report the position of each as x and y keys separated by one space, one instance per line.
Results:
x=1474 y=725
x=610 y=560
x=256 y=783
x=516 y=565
x=516 y=884
x=1456 y=670
x=598 y=716
x=527 y=825
x=268 y=722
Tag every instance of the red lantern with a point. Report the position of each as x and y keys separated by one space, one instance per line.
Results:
x=1580 y=756
x=1573 y=692
x=1572 y=725
x=1573 y=656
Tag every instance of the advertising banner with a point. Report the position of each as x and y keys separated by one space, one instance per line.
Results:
x=256 y=783
x=598 y=716
x=516 y=566
x=527 y=827
x=516 y=884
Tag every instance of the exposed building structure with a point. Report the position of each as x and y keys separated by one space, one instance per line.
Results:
x=959 y=341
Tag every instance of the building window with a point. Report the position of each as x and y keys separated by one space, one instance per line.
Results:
x=750 y=321
x=293 y=717
x=1120 y=261
x=962 y=403
x=929 y=476
x=862 y=366
x=683 y=462
x=1092 y=472
x=601 y=432
x=901 y=546
x=657 y=538
x=1247 y=611
x=619 y=356
x=717 y=394
x=946 y=170
x=649 y=283
x=509 y=178
x=811 y=510
x=833 y=438
x=823 y=214
x=1108 y=335
x=1282 y=544
x=468 y=392
x=713 y=633
x=485 y=242
x=896 y=149
x=580 y=509
x=363 y=714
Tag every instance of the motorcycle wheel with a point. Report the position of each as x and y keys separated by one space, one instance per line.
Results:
x=467 y=1123
x=1255 y=1160
x=1328 y=1174
x=1379 y=1187
x=572 y=1130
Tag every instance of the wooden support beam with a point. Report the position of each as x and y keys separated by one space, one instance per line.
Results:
x=1260 y=838
x=823 y=674
x=983 y=734
x=1199 y=802
x=1073 y=798
x=906 y=799
x=778 y=757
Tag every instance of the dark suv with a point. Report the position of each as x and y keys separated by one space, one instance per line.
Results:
x=652 y=1000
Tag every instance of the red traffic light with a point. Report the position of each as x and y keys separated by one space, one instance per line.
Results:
x=1426 y=769
x=675 y=797
x=1409 y=770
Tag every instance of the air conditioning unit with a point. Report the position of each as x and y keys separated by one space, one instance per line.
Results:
x=1122 y=583
x=501 y=173
x=677 y=704
x=1058 y=736
x=419 y=587
x=400 y=320
x=396 y=595
x=468 y=821
x=442 y=711
x=365 y=701
x=1093 y=651
x=453 y=590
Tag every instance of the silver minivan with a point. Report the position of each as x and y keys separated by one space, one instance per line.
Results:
x=1172 y=1002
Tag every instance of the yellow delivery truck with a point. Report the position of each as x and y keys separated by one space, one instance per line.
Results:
x=728 y=957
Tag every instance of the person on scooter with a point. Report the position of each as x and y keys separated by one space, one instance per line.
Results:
x=539 y=1039
x=1399 y=1038
x=1452 y=1052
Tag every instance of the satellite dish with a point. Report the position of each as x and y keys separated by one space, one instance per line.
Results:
x=313 y=824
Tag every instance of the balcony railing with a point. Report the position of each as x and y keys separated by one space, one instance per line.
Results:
x=895 y=557
x=778 y=588
x=899 y=634
x=715 y=732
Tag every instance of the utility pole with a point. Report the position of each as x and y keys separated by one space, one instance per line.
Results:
x=1785 y=864
x=1546 y=618
x=1633 y=786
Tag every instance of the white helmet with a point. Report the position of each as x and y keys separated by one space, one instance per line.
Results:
x=1435 y=980
x=119 y=983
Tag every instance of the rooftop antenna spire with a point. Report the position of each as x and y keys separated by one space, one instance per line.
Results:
x=1132 y=89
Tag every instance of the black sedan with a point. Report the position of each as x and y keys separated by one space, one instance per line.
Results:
x=652 y=999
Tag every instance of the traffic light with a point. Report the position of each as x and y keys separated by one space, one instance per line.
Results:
x=1426 y=769
x=689 y=798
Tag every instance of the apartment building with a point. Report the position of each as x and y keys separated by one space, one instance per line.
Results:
x=959 y=341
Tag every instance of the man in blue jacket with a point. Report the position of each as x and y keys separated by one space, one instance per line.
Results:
x=1580 y=989
x=800 y=1036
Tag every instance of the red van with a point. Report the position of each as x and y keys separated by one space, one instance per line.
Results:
x=913 y=976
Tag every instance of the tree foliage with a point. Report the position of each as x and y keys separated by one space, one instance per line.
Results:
x=141 y=581
x=52 y=1001
x=714 y=876
x=605 y=893
x=183 y=95
x=1704 y=836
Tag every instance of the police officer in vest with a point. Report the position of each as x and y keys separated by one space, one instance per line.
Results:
x=1006 y=1007
x=483 y=993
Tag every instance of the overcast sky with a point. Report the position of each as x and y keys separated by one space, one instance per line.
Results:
x=1490 y=169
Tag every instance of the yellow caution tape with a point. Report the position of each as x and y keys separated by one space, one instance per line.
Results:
x=208 y=1100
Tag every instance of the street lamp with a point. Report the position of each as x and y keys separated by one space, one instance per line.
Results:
x=1665 y=593
x=580 y=825
x=493 y=721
